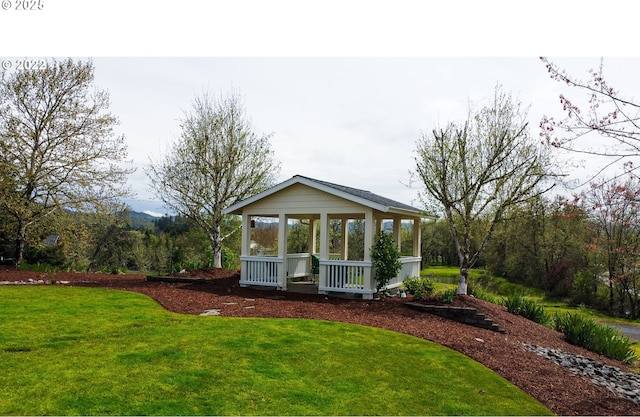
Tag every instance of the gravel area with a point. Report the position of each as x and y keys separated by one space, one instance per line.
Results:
x=561 y=390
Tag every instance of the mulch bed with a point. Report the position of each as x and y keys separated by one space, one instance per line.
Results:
x=553 y=385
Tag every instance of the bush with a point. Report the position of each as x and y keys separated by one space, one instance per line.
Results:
x=419 y=287
x=386 y=260
x=447 y=295
x=605 y=340
x=477 y=289
x=518 y=304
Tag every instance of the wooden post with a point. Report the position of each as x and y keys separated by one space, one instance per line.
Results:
x=345 y=238
x=282 y=250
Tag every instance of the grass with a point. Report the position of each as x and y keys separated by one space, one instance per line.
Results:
x=88 y=351
x=498 y=290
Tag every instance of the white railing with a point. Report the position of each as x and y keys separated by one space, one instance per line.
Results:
x=410 y=268
x=345 y=276
x=298 y=265
x=335 y=275
x=260 y=270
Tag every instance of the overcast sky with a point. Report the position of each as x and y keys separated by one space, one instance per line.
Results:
x=344 y=94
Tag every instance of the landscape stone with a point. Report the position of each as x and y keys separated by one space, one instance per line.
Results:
x=623 y=384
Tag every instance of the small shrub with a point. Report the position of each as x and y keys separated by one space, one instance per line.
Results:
x=518 y=304
x=477 y=289
x=419 y=287
x=513 y=303
x=448 y=295
x=605 y=340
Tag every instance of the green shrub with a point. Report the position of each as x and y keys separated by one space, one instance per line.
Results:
x=518 y=304
x=478 y=289
x=419 y=287
x=386 y=260
x=605 y=340
x=447 y=295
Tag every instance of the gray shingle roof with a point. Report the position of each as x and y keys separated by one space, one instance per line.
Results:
x=367 y=195
x=359 y=196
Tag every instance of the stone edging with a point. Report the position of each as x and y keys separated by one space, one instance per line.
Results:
x=623 y=384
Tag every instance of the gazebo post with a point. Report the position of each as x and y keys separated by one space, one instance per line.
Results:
x=345 y=239
x=369 y=235
x=282 y=250
x=324 y=249
x=416 y=236
x=245 y=249
x=313 y=229
x=397 y=231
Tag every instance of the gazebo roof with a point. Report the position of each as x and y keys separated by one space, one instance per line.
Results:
x=365 y=198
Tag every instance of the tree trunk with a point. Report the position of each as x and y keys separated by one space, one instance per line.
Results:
x=464 y=279
x=20 y=239
x=216 y=245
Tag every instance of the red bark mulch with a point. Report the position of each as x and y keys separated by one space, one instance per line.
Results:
x=553 y=385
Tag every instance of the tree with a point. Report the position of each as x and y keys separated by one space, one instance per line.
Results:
x=615 y=212
x=58 y=149
x=606 y=112
x=385 y=257
x=478 y=170
x=542 y=244
x=217 y=161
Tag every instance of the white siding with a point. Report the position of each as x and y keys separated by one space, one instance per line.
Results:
x=301 y=199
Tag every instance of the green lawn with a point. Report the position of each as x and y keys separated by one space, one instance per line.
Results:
x=86 y=351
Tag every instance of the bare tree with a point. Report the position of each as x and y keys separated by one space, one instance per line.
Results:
x=217 y=161
x=606 y=112
x=475 y=171
x=58 y=149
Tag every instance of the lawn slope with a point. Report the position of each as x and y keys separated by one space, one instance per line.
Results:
x=88 y=351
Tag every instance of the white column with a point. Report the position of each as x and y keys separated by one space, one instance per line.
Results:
x=324 y=236
x=345 y=238
x=397 y=231
x=313 y=229
x=245 y=249
x=324 y=249
x=282 y=250
x=369 y=234
x=417 y=240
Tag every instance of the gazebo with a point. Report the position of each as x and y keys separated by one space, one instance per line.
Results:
x=318 y=203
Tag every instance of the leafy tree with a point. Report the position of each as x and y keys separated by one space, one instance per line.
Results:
x=541 y=243
x=356 y=240
x=58 y=149
x=386 y=260
x=478 y=170
x=615 y=212
x=298 y=237
x=437 y=244
x=217 y=161
x=606 y=112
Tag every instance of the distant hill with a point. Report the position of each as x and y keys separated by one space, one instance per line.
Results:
x=141 y=220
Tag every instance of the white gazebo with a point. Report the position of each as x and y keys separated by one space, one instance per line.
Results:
x=319 y=202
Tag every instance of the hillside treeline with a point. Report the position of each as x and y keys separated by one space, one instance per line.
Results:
x=558 y=245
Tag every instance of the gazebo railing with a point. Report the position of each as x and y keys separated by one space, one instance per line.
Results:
x=335 y=275
x=410 y=268
x=298 y=265
x=345 y=276
x=261 y=270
